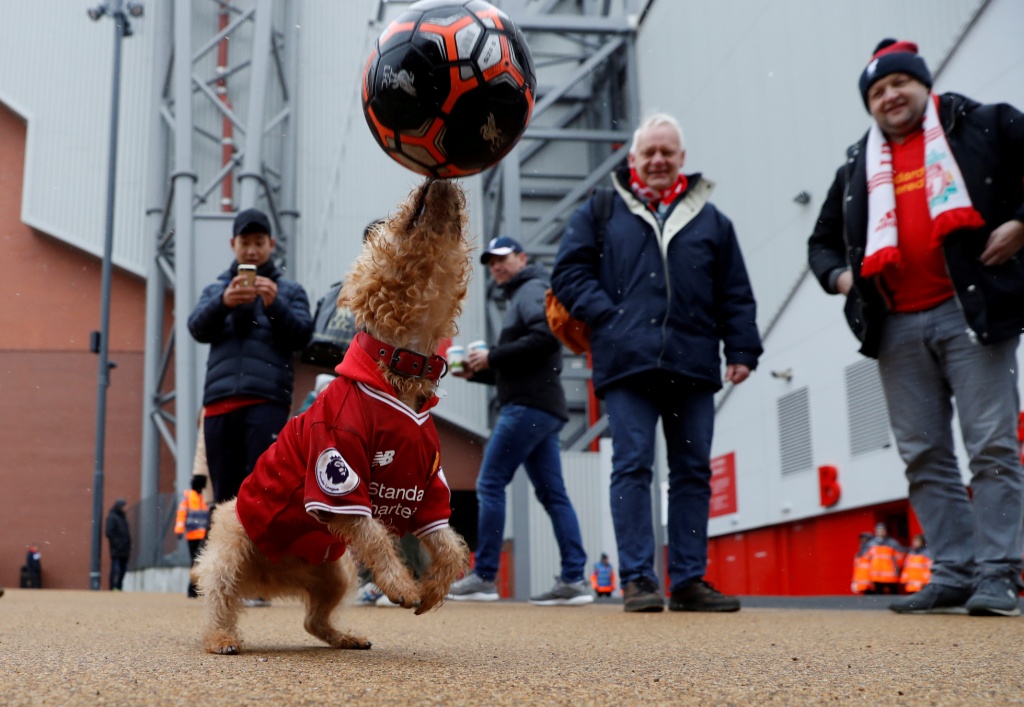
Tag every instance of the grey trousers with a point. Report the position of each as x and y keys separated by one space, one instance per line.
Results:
x=926 y=360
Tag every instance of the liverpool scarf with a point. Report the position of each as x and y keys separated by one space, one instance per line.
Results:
x=948 y=201
x=653 y=197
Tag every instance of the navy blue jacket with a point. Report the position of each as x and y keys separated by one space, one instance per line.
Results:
x=252 y=347
x=988 y=144
x=526 y=363
x=659 y=296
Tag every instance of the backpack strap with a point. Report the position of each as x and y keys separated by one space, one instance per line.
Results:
x=604 y=201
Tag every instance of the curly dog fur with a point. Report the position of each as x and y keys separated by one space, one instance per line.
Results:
x=405 y=289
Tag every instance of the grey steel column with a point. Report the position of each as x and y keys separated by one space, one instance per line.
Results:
x=184 y=181
x=288 y=212
x=103 y=381
x=147 y=537
x=251 y=176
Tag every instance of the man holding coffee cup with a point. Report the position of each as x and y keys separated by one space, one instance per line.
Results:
x=524 y=365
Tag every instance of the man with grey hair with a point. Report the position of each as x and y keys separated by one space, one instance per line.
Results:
x=661 y=282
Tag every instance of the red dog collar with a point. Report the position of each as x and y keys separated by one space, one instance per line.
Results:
x=404 y=362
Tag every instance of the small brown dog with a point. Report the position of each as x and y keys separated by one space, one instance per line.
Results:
x=362 y=465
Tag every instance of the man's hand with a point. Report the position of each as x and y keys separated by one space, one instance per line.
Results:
x=477 y=360
x=237 y=292
x=736 y=373
x=267 y=289
x=1003 y=243
x=843 y=283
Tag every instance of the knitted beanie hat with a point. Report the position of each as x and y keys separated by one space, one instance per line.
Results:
x=891 y=57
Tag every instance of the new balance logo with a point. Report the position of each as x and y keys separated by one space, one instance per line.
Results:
x=383 y=458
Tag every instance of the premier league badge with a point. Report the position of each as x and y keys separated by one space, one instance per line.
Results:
x=333 y=474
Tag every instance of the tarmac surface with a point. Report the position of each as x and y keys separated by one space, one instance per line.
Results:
x=125 y=648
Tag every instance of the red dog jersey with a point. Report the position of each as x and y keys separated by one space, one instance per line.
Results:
x=358 y=449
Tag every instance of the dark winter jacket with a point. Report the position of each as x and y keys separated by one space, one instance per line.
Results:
x=526 y=362
x=659 y=296
x=252 y=347
x=117 y=531
x=988 y=144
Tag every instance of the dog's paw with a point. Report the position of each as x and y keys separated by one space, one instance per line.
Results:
x=348 y=641
x=222 y=643
x=399 y=586
x=432 y=594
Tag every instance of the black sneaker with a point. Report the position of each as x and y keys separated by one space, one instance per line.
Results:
x=995 y=596
x=698 y=595
x=642 y=594
x=933 y=599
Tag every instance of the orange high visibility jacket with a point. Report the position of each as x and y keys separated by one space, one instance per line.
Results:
x=861 y=575
x=917 y=570
x=885 y=563
x=602 y=579
x=193 y=516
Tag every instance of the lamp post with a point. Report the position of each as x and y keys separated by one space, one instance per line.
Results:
x=99 y=341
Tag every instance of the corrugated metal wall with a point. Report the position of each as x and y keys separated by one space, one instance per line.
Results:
x=56 y=71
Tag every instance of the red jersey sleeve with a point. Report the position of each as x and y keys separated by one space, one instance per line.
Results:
x=337 y=473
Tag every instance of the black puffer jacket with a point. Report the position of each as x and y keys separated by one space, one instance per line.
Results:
x=252 y=347
x=988 y=144
x=526 y=363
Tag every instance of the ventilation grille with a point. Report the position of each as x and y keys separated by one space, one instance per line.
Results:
x=867 y=413
x=795 y=431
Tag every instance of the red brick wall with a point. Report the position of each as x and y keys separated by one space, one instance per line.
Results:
x=50 y=296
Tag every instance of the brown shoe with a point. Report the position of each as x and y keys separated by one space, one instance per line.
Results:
x=698 y=595
x=642 y=595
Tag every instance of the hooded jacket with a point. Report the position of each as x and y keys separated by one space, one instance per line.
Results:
x=117 y=531
x=659 y=296
x=252 y=346
x=988 y=144
x=526 y=363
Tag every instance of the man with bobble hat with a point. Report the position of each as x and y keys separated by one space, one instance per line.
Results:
x=922 y=232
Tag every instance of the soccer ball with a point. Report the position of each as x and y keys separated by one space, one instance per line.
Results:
x=449 y=87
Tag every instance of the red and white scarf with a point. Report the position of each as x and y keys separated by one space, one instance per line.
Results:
x=948 y=201
x=653 y=197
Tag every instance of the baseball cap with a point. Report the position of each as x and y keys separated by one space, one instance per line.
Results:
x=500 y=246
x=252 y=221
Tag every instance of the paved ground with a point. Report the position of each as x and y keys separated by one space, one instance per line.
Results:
x=98 y=648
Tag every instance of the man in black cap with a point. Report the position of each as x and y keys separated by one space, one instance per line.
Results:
x=524 y=365
x=253 y=331
x=922 y=231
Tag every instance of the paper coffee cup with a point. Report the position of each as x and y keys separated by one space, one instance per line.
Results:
x=456 y=359
x=477 y=346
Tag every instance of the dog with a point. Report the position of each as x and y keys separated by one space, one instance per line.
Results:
x=362 y=464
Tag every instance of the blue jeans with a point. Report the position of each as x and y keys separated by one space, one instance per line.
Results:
x=527 y=436
x=687 y=414
x=927 y=359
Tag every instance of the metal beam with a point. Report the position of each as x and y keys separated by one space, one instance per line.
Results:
x=170 y=411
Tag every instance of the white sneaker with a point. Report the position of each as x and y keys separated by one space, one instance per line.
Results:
x=256 y=602
x=565 y=594
x=384 y=601
x=368 y=595
x=472 y=588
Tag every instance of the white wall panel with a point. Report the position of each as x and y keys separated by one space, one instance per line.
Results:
x=57 y=70
x=767 y=96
